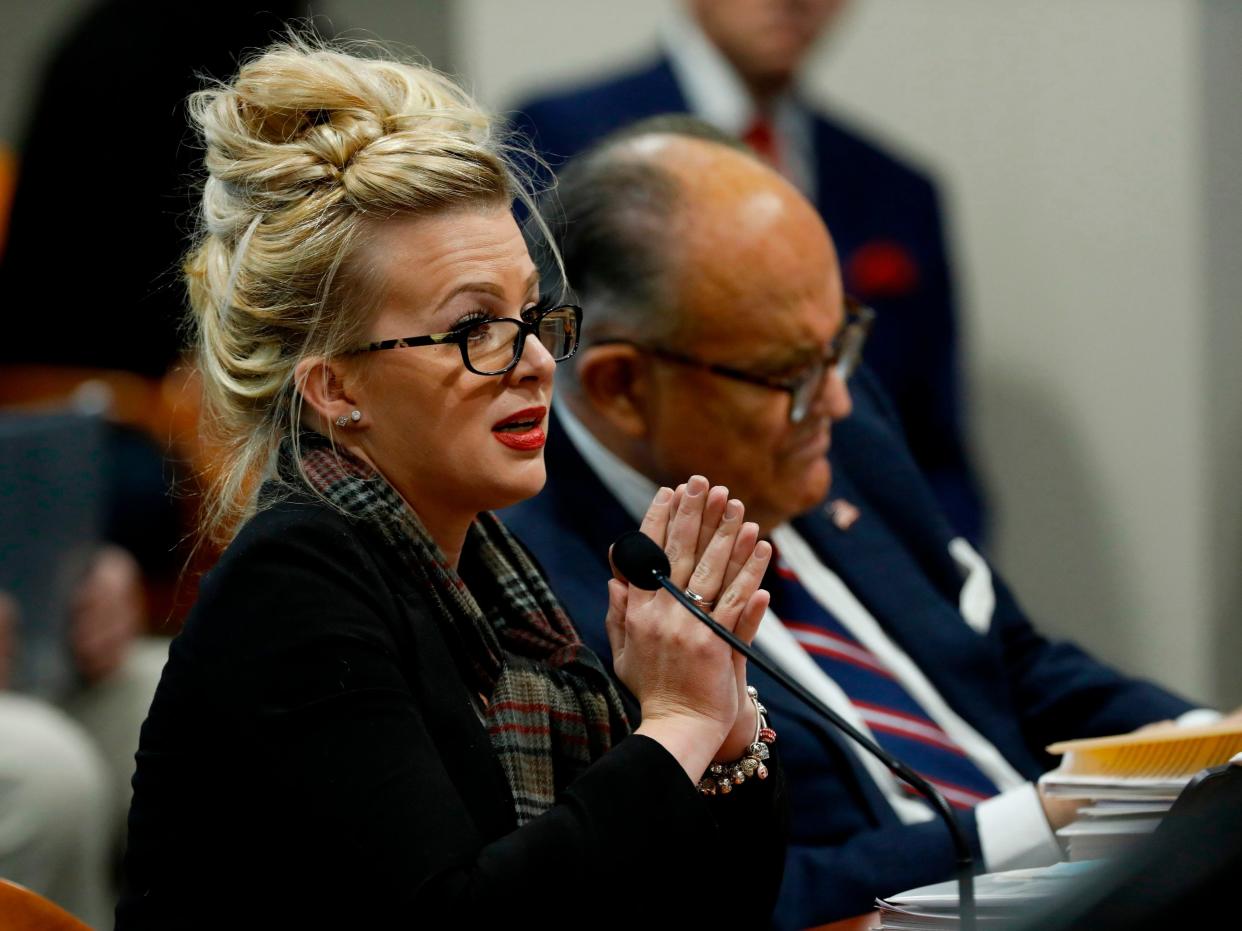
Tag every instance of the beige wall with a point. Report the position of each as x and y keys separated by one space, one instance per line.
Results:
x=1220 y=29
x=1070 y=137
x=1071 y=142
x=507 y=48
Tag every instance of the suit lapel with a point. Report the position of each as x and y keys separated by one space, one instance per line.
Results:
x=577 y=496
x=924 y=622
x=659 y=87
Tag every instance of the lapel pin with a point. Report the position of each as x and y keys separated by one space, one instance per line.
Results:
x=843 y=514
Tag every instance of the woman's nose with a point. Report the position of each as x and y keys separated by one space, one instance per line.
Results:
x=536 y=361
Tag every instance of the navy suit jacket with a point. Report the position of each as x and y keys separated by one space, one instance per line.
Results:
x=1018 y=689
x=885 y=220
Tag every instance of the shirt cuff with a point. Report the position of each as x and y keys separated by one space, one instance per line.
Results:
x=1013 y=831
x=1199 y=717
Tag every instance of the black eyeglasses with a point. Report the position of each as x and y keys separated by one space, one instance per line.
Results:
x=844 y=354
x=493 y=345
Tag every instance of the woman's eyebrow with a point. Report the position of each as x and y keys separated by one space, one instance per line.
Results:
x=486 y=287
x=476 y=287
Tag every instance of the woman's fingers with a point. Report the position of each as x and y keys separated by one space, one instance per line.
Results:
x=743 y=545
x=711 y=573
x=752 y=616
x=713 y=514
x=711 y=551
x=737 y=594
x=681 y=543
x=655 y=521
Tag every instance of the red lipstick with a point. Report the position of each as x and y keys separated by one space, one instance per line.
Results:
x=522 y=430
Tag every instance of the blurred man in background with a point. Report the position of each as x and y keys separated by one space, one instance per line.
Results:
x=65 y=766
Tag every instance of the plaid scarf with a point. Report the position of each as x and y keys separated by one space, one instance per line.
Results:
x=551 y=708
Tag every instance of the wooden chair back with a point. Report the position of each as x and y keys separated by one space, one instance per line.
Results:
x=23 y=910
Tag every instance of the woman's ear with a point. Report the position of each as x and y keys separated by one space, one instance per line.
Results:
x=615 y=382
x=324 y=388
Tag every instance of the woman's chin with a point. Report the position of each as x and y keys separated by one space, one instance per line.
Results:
x=527 y=483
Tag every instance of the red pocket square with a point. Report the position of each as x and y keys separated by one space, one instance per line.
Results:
x=881 y=268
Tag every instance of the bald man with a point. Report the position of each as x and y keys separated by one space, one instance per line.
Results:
x=735 y=64
x=717 y=337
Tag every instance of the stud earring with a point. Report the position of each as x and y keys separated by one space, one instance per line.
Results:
x=344 y=419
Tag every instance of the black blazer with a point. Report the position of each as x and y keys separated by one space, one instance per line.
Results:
x=313 y=759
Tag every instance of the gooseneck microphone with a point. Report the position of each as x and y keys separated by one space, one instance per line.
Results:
x=644 y=565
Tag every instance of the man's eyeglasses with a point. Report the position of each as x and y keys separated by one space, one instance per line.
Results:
x=493 y=345
x=844 y=354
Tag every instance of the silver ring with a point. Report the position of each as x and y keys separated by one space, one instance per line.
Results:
x=699 y=600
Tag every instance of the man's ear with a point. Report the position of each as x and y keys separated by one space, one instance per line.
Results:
x=324 y=387
x=616 y=383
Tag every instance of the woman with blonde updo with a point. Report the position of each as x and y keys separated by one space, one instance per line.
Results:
x=377 y=714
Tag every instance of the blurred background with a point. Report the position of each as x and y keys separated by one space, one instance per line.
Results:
x=1088 y=154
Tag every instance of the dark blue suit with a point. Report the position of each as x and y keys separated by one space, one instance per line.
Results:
x=886 y=223
x=1019 y=690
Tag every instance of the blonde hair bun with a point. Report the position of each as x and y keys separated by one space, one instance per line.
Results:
x=300 y=115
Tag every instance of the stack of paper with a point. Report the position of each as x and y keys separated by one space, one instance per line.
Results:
x=1131 y=781
x=1107 y=828
x=1001 y=899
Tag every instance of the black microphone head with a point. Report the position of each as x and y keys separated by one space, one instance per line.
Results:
x=639 y=559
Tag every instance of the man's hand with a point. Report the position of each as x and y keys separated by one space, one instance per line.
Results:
x=1060 y=811
x=1155 y=727
x=107 y=613
x=1234 y=718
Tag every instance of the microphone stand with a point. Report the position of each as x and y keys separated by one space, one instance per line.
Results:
x=965 y=864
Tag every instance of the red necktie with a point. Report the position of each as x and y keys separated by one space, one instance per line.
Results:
x=761 y=137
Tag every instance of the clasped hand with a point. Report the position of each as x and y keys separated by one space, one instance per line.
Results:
x=690 y=684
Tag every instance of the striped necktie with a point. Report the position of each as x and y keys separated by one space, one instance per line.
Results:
x=899 y=723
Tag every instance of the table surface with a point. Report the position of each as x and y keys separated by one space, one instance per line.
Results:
x=858 y=923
